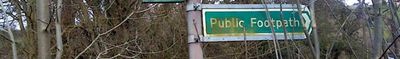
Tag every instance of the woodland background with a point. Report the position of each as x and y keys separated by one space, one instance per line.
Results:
x=132 y=29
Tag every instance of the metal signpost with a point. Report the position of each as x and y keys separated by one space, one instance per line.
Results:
x=225 y=22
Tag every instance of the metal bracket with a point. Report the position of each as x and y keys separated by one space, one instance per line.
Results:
x=194 y=38
x=193 y=7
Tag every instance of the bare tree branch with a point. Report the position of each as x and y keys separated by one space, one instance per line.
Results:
x=14 y=47
x=98 y=36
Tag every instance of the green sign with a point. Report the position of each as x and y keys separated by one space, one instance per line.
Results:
x=162 y=1
x=253 y=24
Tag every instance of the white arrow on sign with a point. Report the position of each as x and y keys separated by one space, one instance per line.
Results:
x=308 y=22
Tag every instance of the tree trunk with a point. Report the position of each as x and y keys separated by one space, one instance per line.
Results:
x=43 y=17
x=58 y=31
x=377 y=41
x=14 y=47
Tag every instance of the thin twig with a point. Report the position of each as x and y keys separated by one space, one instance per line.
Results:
x=391 y=44
x=98 y=36
x=339 y=30
x=276 y=46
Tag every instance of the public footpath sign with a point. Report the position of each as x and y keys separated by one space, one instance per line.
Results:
x=253 y=24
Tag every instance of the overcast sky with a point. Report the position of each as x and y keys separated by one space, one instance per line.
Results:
x=351 y=2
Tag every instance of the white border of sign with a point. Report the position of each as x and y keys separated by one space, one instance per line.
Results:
x=262 y=36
